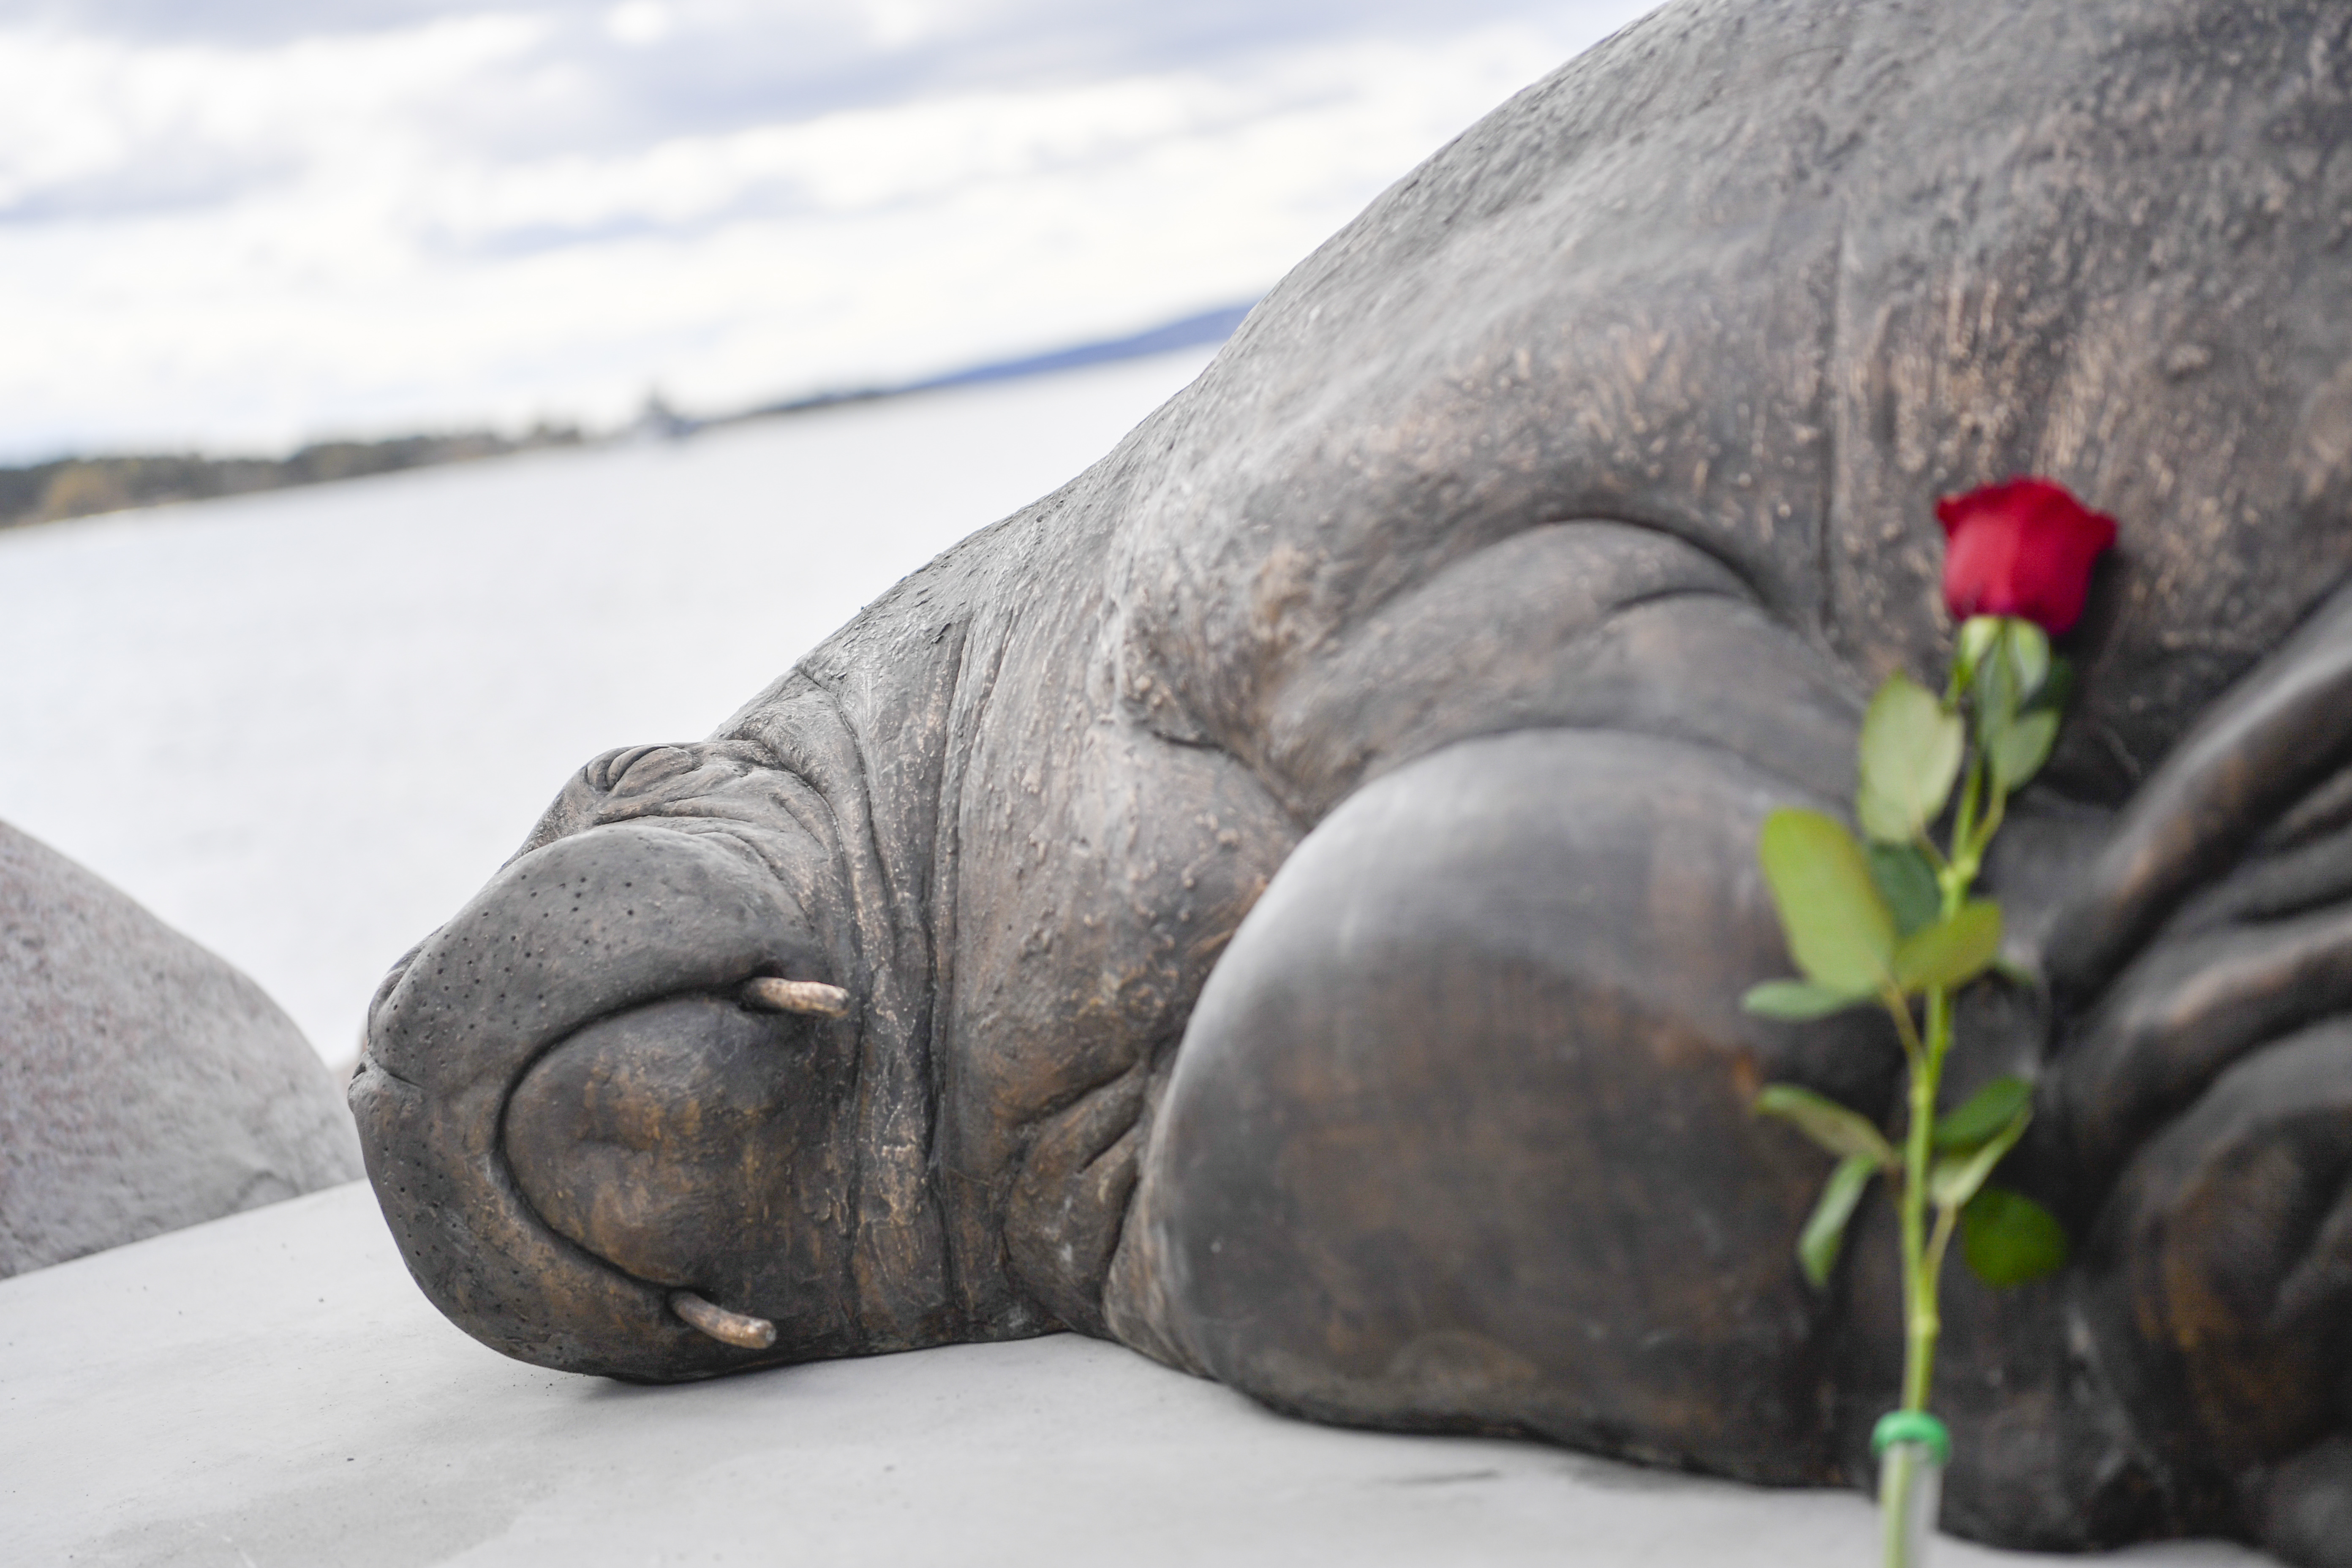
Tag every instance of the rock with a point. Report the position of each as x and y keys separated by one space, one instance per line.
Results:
x=144 y=1084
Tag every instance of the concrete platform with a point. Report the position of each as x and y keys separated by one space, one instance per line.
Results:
x=271 y=1390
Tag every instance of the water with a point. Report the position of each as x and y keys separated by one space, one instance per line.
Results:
x=305 y=727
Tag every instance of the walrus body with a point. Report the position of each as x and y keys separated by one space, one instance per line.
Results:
x=1295 y=883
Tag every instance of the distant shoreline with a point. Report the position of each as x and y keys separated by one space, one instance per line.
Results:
x=66 y=488
x=83 y=486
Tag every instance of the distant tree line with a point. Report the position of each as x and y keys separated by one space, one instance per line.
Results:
x=78 y=487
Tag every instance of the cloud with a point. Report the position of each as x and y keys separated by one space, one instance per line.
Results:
x=380 y=215
x=83 y=113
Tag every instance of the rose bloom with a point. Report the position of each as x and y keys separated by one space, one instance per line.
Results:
x=2024 y=547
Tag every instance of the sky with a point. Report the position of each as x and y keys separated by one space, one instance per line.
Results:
x=232 y=226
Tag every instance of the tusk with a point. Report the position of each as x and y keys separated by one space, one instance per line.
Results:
x=770 y=995
x=737 y=1329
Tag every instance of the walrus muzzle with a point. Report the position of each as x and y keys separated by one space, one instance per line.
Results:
x=570 y=1115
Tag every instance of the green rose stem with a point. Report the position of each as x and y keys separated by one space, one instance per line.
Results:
x=1892 y=922
x=1923 y=1255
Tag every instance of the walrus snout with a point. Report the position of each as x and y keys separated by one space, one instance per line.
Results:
x=687 y=1142
x=613 y=956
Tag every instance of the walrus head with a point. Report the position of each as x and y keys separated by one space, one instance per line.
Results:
x=609 y=1109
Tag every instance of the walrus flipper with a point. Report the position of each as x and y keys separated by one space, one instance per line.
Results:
x=1459 y=1135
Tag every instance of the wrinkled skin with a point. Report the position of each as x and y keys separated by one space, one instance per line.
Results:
x=1459 y=627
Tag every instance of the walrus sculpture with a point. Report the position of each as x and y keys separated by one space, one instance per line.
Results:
x=1281 y=901
x=144 y=1083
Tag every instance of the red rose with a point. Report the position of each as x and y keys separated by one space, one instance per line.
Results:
x=2024 y=547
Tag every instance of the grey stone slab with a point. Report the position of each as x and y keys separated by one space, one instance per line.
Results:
x=270 y=1389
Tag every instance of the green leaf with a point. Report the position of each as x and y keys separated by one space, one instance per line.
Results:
x=1907 y=883
x=1984 y=1114
x=1977 y=634
x=1845 y=1133
x=1796 y=1000
x=1953 y=1179
x=1950 y=952
x=1840 y=935
x=2058 y=688
x=1995 y=690
x=1825 y=1234
x=1910 y=754
x=2018 y=752
x=2028 y=648
x=2008 y=1238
